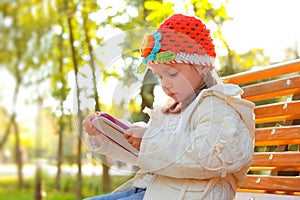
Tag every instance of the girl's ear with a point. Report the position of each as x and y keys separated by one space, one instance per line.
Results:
x=202 y=70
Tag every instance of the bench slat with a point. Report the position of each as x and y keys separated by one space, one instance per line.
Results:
x=277 y=112
x=272 y=183
x=266 y=72
x=277 y=135
x=276 y=159
x=258 y=196
x=272 y=89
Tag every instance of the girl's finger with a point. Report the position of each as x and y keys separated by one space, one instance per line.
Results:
x=127 y=134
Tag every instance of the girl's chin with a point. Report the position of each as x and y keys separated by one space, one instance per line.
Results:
x=183 y=100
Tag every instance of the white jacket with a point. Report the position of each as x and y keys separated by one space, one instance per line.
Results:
x=207 y=157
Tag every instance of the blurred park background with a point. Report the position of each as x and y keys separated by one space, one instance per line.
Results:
x=57 y=64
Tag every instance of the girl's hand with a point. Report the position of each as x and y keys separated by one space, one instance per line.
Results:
x=134 y=136
x=88 y=126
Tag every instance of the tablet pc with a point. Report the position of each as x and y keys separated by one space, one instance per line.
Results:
x=113 y=129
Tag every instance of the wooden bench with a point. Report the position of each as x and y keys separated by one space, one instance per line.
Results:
x=275 y=90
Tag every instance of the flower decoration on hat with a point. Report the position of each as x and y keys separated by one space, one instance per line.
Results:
x=151 y=46
x=149 y=51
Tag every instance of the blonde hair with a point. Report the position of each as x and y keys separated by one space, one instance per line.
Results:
x=209 y=75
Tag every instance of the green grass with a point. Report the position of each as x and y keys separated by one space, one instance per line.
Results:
x=91 y=187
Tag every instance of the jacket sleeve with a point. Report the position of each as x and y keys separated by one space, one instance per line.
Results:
x=101 y=145
x=216 y=142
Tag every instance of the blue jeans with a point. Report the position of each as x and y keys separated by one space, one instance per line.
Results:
x=131 y=194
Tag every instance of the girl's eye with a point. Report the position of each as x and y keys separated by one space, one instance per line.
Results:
x=173 y=74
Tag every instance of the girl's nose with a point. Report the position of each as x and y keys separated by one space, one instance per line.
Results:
x=166 y=83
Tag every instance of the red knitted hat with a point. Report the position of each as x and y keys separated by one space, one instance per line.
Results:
x=179 y=39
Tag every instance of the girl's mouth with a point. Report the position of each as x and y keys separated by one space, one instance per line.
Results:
x=173 y=95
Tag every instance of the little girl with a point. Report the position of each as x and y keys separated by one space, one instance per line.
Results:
x=199 y=145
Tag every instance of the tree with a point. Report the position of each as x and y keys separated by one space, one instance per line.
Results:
x=21 y=38
x=78 y=120
x=16 y=71
x=60 y=91
x=89 y=28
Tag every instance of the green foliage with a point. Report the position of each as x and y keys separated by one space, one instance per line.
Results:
x=208 y=11
x=254 y=57
x=8 y=187
x=158 y=11
x=141 y=68
x=24 y=39
x=243 y=62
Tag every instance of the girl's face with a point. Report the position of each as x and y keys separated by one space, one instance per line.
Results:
x=179 y=81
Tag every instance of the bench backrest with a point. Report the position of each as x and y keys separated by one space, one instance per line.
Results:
x=276 y=92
